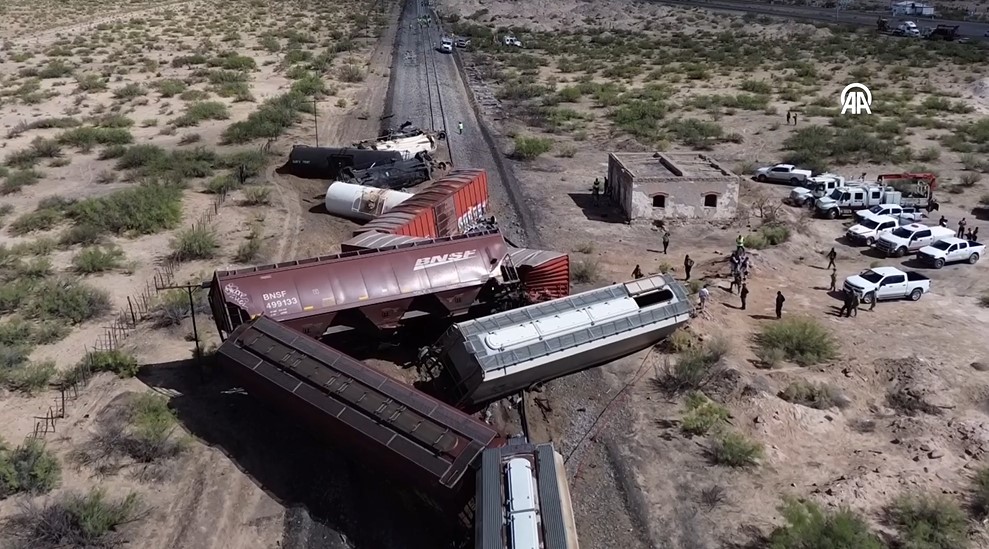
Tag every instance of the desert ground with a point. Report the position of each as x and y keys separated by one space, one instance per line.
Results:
x=142 y=139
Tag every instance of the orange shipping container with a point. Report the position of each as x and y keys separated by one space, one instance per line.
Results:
x=451 y=206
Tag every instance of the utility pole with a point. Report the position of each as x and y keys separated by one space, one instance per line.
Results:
x=315 y=119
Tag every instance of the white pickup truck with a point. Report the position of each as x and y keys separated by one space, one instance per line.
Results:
x=949 y=250
x=871 y=228
x=910 y=238
x=887 y=283
x=815 y=187
x=782 y=173
x=906 y=214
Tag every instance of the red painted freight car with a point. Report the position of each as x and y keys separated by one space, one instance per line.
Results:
x=453 y=205
x=410 y=435
x=379 y=288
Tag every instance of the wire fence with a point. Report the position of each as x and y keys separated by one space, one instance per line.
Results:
x=139 y=307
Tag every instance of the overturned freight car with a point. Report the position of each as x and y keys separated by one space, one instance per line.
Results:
x=371 y=416
x=374 y=290
x=492 y=357
x=328 y=163
x=452 y=205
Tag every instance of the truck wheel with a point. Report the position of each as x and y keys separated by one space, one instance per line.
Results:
x=915 y=294
x=900 y=252
x=972 y=259
x=794 y=181
x=808 y=202
x=832 y=214
x=870 y=241
x=938 y=263
x=760 y=178
x=867 y=298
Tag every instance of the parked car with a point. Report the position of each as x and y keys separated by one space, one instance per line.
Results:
x=510 y=40
x=910 y=238
x=871 y=228
x=463 y=42
x=887 y=283
x=446 y=45
x=782 y=173
x=907 y=214
x=950 y=250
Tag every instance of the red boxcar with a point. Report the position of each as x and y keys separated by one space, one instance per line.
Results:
x=408 y=434
x=544 y=275
x=453 y=205
x=378 y=287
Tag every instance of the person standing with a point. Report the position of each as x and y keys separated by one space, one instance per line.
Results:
x=736 y=281
x=607 y=186
x=703 y=295
x=596 y=190
x=666 y=241
x=846 y=303
x=961 y=228
x=853 y=306
x=460 y=127
x=943 y=221
x=687 y=265
x=779 y=304
x=832 y=255
x=834 y=280
x=794 y=119
x=637 y=272
x=788 y=117
x=744 y=294
x=872 y=306
x=975 y=234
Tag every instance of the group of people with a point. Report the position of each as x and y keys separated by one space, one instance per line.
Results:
x=971 y=234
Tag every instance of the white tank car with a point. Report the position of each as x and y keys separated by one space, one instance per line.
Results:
x=361 y=203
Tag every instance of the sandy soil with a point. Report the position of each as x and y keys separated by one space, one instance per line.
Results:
x=216 y=504
x=827 y=455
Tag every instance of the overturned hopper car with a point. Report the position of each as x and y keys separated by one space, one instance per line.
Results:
x=371 y=416
x=523 y=499
x=393 y=175
x=327 y=163
x=452 y=205
x=489 y=358
x=379 y=289
x=544 y=275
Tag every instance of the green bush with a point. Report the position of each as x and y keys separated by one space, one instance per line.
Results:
x=810 y=527
x=152 y=426
x=696 y=366
x=98 y=259
x=233 y=62
x=272 y=118
x=90 y=82
x=111 y=121
x=350 y=73
x=195 y=243
x=17 y=180
x=821 y=396
x=584 y=270
x=767 y=235
x=129 y=91
x=221 y=184
x=980 y=492
x=29 y=377
x=38 y=220
x=116 y=361
x=79 y=520
x=141 y=156
x=735 y=450
x=801 y=340
x=170 y=87
x=528 y=148
x=930 y=522
x=702 y=415
x=256 y=195
x=28 y=468
x=86 y=137
x=244 y=164
x=86 y=235
x=200 y=111
x=68 y=299
x=146 y=209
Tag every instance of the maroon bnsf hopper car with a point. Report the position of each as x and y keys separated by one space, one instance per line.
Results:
x=452 y=205
x=377 y=288
x=373 y=417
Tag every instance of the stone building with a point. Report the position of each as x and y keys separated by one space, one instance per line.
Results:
x=676 y=185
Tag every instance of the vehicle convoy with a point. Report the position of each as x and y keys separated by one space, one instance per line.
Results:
x=452 y=205
x=400 y=174
x=327 y=163
x=910 y=238
x=846 y=200
x=905 y=214
x=871 y=228
x=482 y=360
x=951 y=250
x=361 y=203
x=380 y=290
x=885 y=283
x=782 y=173
x=375 y=418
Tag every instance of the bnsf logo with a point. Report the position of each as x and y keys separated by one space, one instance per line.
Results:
x=432 y=261
x=470 y=218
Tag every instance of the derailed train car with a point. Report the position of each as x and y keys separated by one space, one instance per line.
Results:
x=363 y=412
x=375 y=290
x=328 y=163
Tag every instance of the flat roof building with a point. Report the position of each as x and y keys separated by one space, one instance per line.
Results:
x=672 y=185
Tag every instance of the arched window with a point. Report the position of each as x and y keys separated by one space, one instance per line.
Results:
x=659 y=201
x=711 y=200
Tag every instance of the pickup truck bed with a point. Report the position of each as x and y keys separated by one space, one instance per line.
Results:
x=914 y=276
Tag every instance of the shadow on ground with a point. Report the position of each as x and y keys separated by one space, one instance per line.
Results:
x=330 y=498
x=603 y=210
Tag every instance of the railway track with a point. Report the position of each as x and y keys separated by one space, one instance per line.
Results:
x=428 y=39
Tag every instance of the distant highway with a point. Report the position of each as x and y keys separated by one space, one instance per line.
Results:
x=975 y=31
